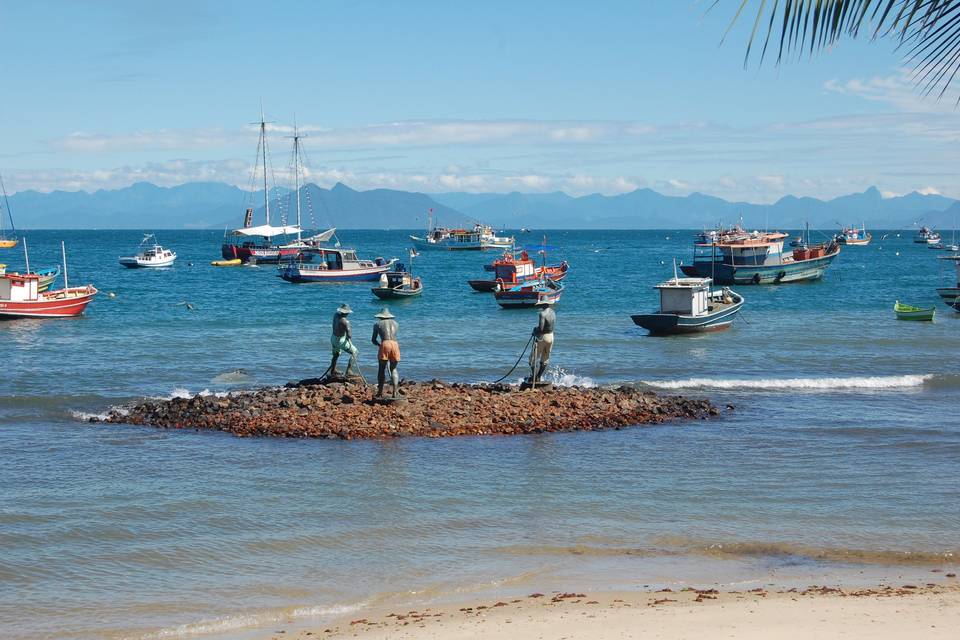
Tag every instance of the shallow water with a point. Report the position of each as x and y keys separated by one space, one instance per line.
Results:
x=841 y=457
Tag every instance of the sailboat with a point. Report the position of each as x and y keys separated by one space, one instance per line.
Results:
x=255 y=243
x=5 y=242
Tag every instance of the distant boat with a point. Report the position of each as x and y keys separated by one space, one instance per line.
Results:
x=738 y=257
x=926 y=235
x=6 y=242
x=854 y=236
x=398 y=284
x=20 y=296
x=689 y=305
x=336 y=265
x=909 y=312
x=535 y=293
x=480 y=238
x=149 y=255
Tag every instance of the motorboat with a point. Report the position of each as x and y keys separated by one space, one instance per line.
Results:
x=690 y=305
x=398 y=284
x=478 y=238
x=149 y=254
x=926 y=235
x=336 y=265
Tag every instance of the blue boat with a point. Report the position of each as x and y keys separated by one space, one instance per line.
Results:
x=690 y=305
x=738 y=257
x=532 y=293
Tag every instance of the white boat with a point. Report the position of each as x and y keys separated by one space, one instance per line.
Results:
x=479 y=238
x=926 y=235
x=149 y=254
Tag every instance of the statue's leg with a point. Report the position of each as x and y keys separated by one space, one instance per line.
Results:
x=533 y=361
x=394 y=378
x=333 y=364
x=543 y=368
x=381 y=377
x=352 y=365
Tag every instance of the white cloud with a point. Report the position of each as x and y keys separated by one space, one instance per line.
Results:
x=929 y=191
x=898 y=89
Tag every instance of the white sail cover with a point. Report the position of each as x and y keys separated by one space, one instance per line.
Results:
x=266 y=231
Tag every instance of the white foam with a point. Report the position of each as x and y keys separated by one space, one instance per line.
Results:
x=86 y=417
x=562 y=378
x=817 y=384
x=180 y=392
x=235 y=623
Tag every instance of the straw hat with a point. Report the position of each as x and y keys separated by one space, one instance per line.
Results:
x=384 y=314
x=344 y=309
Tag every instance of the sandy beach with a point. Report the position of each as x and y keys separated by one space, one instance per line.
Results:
x=929 y=611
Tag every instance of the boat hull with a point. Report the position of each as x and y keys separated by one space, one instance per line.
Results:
x=298 y=275
x=55 y=304
x=262 y=254
x=422 y=244
x=388 y=293
x=133 y=262
x=511 y=299
x=665 y=324
x=794 y=271
x=949 y=294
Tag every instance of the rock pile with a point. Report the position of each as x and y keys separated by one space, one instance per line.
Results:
x=432 y=409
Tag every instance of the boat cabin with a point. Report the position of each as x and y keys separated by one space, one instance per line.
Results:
x=19 y=288
x=510 y=269
x=685 y=296
x=753 y=249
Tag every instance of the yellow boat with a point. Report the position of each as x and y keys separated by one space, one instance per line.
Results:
x=8 y=244
x=236 y=262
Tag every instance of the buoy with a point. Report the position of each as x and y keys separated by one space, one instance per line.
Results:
x=897 y=253
x=111 y=295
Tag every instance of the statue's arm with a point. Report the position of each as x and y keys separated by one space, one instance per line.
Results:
x=374 y=338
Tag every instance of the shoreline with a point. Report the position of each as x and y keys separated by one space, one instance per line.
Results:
x=349 y=411
x=928 y=610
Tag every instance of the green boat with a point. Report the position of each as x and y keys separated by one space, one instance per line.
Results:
x=908 y=312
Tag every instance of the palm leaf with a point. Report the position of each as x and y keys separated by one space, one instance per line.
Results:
x=928 y=31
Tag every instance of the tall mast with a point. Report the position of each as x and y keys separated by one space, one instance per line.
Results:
x=296 y=170
x=263 y=143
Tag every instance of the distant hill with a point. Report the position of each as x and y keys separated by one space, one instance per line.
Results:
x=216 y=205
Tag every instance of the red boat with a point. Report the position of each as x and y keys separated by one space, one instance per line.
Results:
x=509 y=271
x=20 y=296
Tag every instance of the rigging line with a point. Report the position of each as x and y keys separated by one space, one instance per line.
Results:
x=305 y=162
x=6 y=205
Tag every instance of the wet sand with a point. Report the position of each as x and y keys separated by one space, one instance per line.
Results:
x=929 y=611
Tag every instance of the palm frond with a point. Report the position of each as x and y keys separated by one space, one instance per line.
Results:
x=928 y=30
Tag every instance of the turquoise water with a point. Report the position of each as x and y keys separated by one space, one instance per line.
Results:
x=839 y=462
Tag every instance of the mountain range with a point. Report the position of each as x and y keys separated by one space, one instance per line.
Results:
x=202 y=205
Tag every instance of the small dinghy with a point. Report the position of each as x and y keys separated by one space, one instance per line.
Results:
x=909 y=312
x=689 y=305
x=236 y=262
x=398 y=284
x=149 y=254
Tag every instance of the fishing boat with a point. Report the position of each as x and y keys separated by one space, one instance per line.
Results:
x=336 y=265
x=690 y=305
x=149 y=255
x=951 y=295
x=398 y=284
x=47 y=276
x=6 y=242
x=854 y=236
x=738 y=257
x=256 y=243
x=509 y=270
x=20 y=296
x=480 y=238
x=926 y=235
x=908 y=312
x=543 y=292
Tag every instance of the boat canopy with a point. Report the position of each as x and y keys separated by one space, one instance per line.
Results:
x=266 y=231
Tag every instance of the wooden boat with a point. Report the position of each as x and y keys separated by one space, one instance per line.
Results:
x=689 y=305
x=908 y=312
x=854 y=236
x=336 y=265
x=5 y=241
x=535 y=293
x=149 y=255
x=481 y=237
x=398 y=284
x=20 y=297
x=509 y=270
x=47 y=276
x=738 y=257
x=236 y=262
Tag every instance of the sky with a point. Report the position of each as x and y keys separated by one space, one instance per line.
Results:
x=583 y=97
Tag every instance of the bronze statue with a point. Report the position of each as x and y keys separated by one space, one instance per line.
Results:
x=385 y=337
x=542 y=343
x=341 y=341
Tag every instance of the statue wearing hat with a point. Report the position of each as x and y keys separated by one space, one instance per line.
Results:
x=385 y=337
x=340 y=340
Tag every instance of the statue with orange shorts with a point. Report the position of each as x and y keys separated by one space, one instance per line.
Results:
x=385 y=337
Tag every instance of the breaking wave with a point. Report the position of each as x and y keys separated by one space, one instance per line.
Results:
x=813 y=384
x=236 y=623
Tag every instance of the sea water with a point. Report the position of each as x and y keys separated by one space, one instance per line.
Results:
x=840 y=460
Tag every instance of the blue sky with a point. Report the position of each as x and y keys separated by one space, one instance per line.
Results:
x=443 y=96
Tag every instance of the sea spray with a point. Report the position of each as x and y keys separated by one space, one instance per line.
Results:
x=855 y=383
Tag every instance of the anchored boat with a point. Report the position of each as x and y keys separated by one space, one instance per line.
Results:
x=736 y=256
x=481 y=237
x=535 y=293
x=149 y=254
x=336 y=265
x=689 y=305
x=854 y=236
x=509 y=270
x=20 y=296
x=398 y=284
x=926 y=235
x=909 y=312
